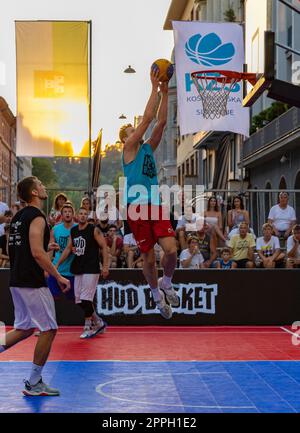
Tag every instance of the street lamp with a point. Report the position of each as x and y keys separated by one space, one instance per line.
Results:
x=129 y=70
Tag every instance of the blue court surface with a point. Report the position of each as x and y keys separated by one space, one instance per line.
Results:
x=151 y=387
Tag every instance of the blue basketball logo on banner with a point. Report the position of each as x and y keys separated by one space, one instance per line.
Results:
x=209 y=50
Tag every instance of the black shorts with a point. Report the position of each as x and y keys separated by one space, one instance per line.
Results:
x=241 y=264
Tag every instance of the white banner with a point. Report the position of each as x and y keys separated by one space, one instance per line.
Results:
x=203 y=46
x=129 y=299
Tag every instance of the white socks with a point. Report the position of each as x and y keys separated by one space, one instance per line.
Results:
x=2 y=348
x=96 y=319
x=88 y=323
x=156 y=295
x=36 y=374
x=167 y=281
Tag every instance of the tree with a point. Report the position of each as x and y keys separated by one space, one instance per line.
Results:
x=43 y=169
x=230 y=15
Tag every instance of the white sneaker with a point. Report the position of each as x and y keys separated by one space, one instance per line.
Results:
x=171 y=295
x=164 y=308
x=39 y=390
x=98 y=328
x=87 y=333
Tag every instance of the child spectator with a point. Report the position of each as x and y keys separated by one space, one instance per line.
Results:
x=225 y=261
x=268 y=248
x=115 y=246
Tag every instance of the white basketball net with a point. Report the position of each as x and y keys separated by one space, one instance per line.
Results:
x=214 y=94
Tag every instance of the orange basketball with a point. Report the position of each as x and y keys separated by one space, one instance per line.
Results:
x=165 y=68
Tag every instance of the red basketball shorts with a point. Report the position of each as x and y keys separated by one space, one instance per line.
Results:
x=148 y=223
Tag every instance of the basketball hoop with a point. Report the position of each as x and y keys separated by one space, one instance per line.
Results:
x=214 y=88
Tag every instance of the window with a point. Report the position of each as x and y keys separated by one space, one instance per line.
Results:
x=210 y=168
x=192 y=165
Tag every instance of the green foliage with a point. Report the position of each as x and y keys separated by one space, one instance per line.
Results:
x=229 y=15
x=43 y=169
x=111 y=165
x=266 y=116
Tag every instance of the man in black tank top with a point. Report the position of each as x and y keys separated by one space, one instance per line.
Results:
x=84 y=242
x=33 y=302
x=207 y=244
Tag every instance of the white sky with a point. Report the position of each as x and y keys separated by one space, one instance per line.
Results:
x=124 y=32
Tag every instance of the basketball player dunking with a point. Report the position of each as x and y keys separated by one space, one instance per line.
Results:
x=34 y=305
x=140 y=169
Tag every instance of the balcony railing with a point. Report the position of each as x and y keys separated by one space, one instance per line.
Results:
x=283 y=126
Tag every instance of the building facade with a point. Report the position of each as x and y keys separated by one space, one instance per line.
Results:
x=8 y=160
x=271 y=155
x=200 y=157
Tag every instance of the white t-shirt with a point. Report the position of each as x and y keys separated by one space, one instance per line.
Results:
x=190 y=226
x=290 y=245
x=3 y=207
x=282 y=218
x=196 y=260
x=129 y=239
x=267 y=248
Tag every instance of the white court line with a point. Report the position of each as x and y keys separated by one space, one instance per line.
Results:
x=290 y=332
x=109 y=396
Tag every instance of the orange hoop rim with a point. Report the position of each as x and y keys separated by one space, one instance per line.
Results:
x=227 y=76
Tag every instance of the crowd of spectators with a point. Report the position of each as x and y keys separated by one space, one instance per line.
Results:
x=214 y=239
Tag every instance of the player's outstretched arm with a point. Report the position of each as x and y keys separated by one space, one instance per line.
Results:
x=149 y=113
x=161 y=117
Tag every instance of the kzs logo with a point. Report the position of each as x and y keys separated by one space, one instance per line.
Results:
x=209 y=50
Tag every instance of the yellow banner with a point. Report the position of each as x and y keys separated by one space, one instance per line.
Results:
x=52 y=88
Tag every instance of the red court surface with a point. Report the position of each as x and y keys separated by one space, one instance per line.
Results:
x=153 y=343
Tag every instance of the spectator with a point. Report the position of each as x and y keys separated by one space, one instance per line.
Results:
x=282 y=217
x=131 y=251
x=225 y=262
x=103 y=224
x=115 y=246
x=207 y=243
x=4 y=258
x=293 y=248
x=242 y=246
x=86 y=203
x=186 y=224
x=191 y=257
x=213 y=217
x=55 y=213
x=236 y=216
x=59 y=238
x=7 y=217
x=114 y=216
x=3 y=207
x=16 y=207
x=268 y=248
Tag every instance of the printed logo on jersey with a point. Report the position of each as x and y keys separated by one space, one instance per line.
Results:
x=79 y=244
x=149 y=168
x=62 y=242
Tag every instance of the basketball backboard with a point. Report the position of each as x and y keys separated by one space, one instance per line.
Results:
x=271 y=39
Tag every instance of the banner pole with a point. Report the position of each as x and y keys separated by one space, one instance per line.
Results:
x=90 y=189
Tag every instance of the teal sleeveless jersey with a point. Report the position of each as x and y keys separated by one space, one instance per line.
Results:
x=141 y=172
x=61 y=236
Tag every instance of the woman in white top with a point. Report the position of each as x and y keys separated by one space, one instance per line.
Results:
x=191 y=258
x=55 y=213
x=213 y=217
